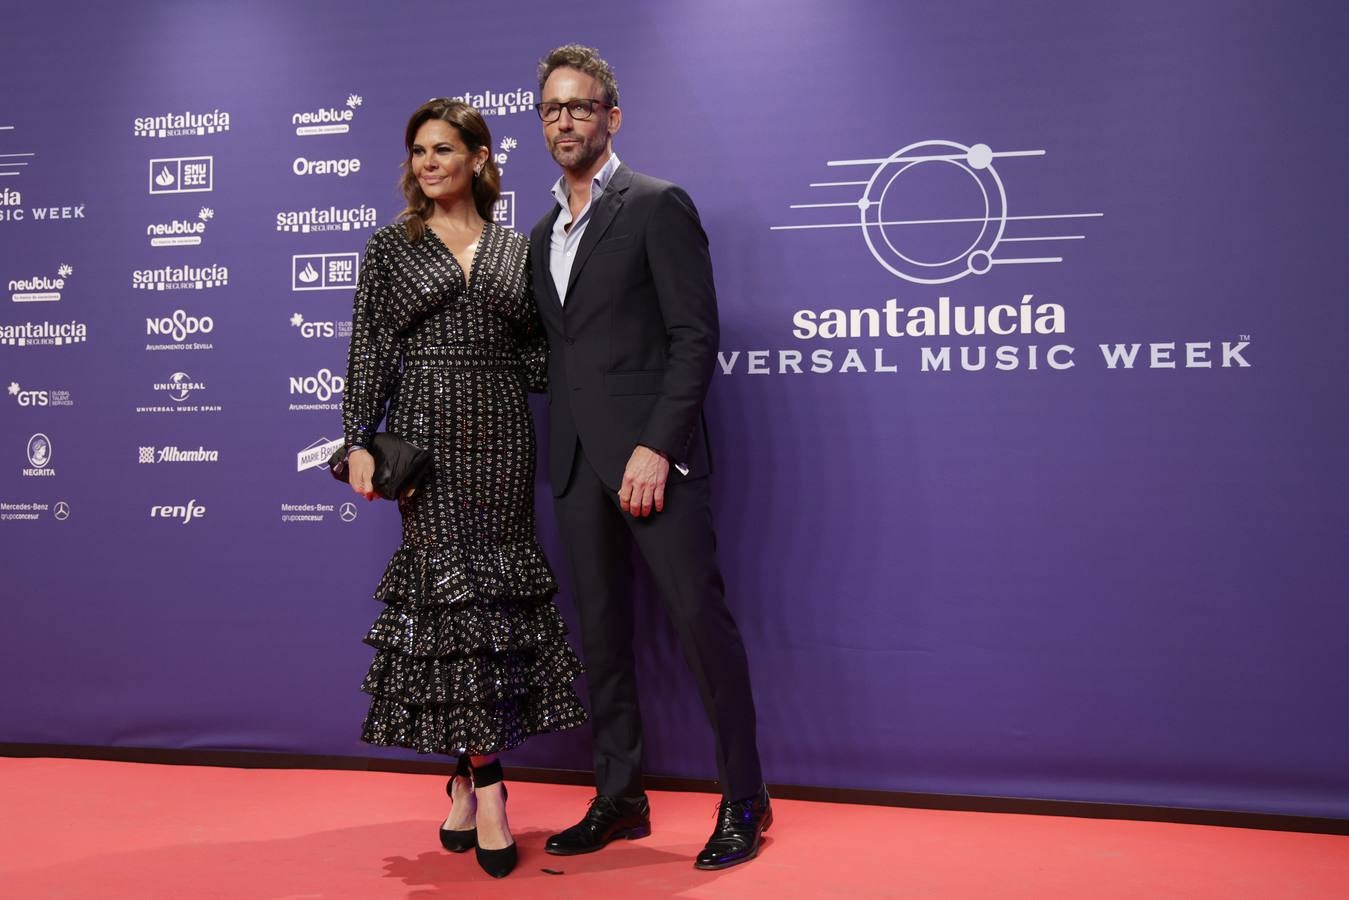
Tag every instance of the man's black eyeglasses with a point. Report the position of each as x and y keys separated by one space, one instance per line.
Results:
x=579 y=108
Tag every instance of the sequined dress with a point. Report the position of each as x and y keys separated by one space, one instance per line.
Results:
x=471 y=655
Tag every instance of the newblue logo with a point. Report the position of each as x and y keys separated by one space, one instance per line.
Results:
x=182 y=175
x=327 y=120
x=40 y=288
x=324 y=271
x=180 y=232
x=181 y=124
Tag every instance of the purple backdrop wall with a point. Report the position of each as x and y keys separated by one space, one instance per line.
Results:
x=1059 y=575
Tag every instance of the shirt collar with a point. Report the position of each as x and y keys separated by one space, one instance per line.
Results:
x=597 y=184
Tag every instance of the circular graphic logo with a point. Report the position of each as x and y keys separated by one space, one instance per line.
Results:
x=39 y=451
x=934 y=211
x=182 y=386
x=348 y=512
x=61 y=511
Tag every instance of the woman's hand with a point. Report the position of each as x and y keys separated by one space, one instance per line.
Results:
x=361 y=472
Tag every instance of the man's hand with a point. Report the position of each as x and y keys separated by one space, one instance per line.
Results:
x=361 y=472
x=644 y=482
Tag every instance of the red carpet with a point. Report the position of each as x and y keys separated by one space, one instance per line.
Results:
x=75 y=828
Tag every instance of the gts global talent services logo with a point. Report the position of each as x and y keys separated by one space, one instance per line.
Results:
x=318 y=329
x=48 y=397
x=327 y=120
x=333 y=218
x=180 y=232
x=182 y=124
x=182 y=175
x=40 y=288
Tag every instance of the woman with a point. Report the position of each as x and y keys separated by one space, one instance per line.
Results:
x=471 y=655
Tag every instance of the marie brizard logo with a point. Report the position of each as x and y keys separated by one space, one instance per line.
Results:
x=936 y=211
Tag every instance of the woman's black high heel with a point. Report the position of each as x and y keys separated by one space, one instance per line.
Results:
x=497 y=863
x=453 y=840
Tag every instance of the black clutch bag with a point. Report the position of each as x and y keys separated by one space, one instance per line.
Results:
x=400 y=466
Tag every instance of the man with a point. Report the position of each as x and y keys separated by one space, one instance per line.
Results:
x=623 y=280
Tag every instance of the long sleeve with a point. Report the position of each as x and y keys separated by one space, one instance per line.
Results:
x=681 y=267
x=373 y=358
x=532 y=341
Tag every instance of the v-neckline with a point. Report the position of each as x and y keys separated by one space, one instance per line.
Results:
x=466 y=274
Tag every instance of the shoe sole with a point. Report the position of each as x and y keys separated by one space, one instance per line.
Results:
x=632 y=834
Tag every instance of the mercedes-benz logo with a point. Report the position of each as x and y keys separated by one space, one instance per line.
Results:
x=347 y=512
x=61 y=511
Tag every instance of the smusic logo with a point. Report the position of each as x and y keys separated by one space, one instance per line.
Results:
x=181 y=124
x=324 y=271
x=182 y=175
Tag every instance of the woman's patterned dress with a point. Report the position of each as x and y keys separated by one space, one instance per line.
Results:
x=471 y=652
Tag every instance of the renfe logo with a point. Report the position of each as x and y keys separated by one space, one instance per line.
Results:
x=184 y=514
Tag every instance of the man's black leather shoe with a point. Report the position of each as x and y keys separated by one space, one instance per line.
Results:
x=740 y=825
x=607 y=819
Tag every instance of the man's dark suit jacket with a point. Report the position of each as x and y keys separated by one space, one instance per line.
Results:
x=635 y=344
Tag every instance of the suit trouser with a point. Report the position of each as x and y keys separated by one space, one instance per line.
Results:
x=679 y=547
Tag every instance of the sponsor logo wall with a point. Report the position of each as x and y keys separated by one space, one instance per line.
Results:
x=1027 y=399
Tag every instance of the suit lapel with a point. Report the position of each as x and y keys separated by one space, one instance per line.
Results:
x=602 y=216
x=541 y=248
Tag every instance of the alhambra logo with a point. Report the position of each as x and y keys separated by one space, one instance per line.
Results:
x=500 y=103
x=181 y=124
x=177 y=455
x=182 y=175
x=180 y=232
x=328 y=120
x=40 y=288
x=936 y=211
x=332 y=218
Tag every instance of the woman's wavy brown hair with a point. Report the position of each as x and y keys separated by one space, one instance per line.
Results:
x=473 y=130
